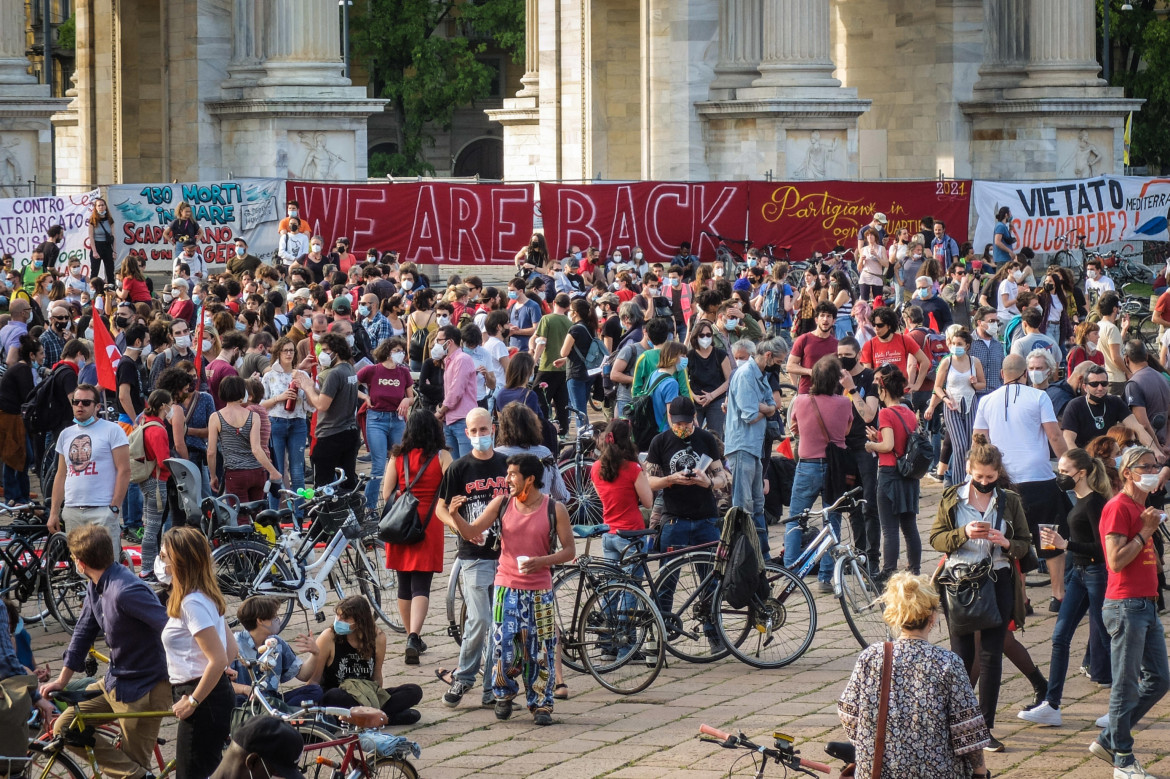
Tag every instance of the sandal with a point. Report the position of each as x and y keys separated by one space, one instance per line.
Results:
x=445 y=676
x=561 y=692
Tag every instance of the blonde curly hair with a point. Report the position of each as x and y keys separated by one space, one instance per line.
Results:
x=909 y=601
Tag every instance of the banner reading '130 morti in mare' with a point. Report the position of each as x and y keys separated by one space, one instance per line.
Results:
x=1104 y=209
x=224 y=209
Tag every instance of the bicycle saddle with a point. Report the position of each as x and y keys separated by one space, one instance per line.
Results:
x=628 y=534
x=253 y=507
x=76 y=696
x=366 y=717
x=589 y=531
x=238 y=530
x=841 y=750
x=267 y=517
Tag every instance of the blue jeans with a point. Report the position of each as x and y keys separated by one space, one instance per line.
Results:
x=807 y=486
x=579 y=400
x=132 y=507
x=1084 y=592
x=1141 y=674
x=288 y=439
x=678 y=533
x=384 y=430
x=456 y=435
x=747 y=492
x=16 y=486
x=476 y=578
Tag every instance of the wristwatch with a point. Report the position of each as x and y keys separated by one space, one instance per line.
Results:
x=114 y=509
x=193 y=701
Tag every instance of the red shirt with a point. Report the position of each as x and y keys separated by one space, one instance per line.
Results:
x=886 y=419
x=138 y=291
x=625 y=295
x=1122 y=516
x=875 y=353
x=182 y=309
x=808 y=349
x=158 y=446
x=218 y=370
x=1079 y=354
x=619 y=499
x=1162 y=306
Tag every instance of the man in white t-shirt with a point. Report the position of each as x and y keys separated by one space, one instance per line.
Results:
x=496 y=331
x=1096 y=282
x=1021 y=422
x=1109 y=329
x=93 y=470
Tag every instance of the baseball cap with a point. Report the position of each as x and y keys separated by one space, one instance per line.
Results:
x=681 y=408
x=880 y=217
x=742 y=285
x=610 y=298
x=274 y=742
x=341 y=305
x=301 y=294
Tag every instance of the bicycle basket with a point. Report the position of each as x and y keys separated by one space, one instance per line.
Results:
x=328 y=517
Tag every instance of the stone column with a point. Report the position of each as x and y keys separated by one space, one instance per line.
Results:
x=796 y=45
x=247 y=63
x=531 y=78
x=1005 y=44
x=740 y=42
x=1062 y=45
x=303 y=44
x=13 y=63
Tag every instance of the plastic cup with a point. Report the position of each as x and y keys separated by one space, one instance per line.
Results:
x=520 y=562
x=1046 y=544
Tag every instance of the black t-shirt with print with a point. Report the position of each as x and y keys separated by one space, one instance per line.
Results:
x=480 y=481
x=673 y=454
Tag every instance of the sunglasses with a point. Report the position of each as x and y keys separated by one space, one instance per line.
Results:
x=84 y=403
x=1096 y=384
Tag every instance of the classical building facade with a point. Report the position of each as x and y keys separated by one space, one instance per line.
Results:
x=811 y=89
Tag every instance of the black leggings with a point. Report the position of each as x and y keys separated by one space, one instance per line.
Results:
x=201 y=737
x=990 y=653
x=103 y=254
x=401 y=699
x=414 y=584
x=339 y=450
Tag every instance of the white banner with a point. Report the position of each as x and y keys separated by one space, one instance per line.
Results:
x=1105 y=209
x=224 y=210
x=25 y=223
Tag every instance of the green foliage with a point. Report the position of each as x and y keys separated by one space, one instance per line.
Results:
x=1140 y=41
x=422 y=56
x=67 y=34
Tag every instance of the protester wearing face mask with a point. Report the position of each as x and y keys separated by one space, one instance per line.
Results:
x=986 y=347
x=293 y=243
x=932 y=305
x=315 y=260
x=242 y=261
x=16 y=451
x=75 y=284
x=390 y=395
x=959 y=377
x=978 y=519
x=459 y=388
x=56 y=334
x=1085 y=346
x=231 y=349
x=709 y=374
x=101 y=238
x=336 y=403
x=126 y=613
x=154 y=490
x=1097 y=282
x=234 y=433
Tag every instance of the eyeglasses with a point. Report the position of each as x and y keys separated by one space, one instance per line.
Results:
x=1096 y=384
x=288 y=351
x=83 y=402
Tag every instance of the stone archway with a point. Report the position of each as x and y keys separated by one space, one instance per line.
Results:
x=483 y=156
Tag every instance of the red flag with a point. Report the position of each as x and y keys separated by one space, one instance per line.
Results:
x=199 y=343
x=105 y=355
x=932 y=322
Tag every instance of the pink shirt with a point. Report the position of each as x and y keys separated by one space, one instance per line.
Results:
x=836 y=412
x=458 y=386
x=523 y=535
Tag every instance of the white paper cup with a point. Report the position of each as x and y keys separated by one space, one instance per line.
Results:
x=520 y=562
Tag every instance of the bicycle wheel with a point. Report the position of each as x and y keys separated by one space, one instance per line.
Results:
x=621 y=638
x=43 y=764
x=237 y=565
x=26 y=588
x=315 y=735
x=584 y=504
x=392 y=768
x=361 y=563
x=456 y=608
x=685 y=589
x=383 y=579
x=859 y=601
x=1065 y=259
x=570 y=591
x=772 y=631
x=1148 y=332
x=64 y=586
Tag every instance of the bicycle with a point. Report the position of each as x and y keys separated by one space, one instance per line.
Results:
x=1141 y=323
x=782 y=753
x=35 y=565
x=852 y=584
x=584 y=504
x=47 y=756
x=245 y=567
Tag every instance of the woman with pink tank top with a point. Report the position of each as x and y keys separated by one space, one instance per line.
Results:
x=524 y=640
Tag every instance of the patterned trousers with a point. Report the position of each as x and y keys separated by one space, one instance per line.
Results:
x=523 y=643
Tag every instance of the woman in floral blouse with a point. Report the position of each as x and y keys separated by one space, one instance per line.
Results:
x=934 y=729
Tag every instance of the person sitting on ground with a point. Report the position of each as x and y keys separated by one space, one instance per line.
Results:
x=258 y=617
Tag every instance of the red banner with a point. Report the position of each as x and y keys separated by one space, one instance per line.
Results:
x=655 y=216
x=459 y=224
x=818 y=215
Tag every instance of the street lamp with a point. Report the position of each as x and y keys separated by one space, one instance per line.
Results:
x=1106 y=66
x=345 y=5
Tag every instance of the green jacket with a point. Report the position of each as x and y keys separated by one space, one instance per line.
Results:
x=946 y=538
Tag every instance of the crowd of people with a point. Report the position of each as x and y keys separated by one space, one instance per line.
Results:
x=465 y=393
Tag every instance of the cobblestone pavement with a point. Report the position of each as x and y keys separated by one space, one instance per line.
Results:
x=654 y=734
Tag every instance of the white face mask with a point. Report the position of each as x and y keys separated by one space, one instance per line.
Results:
x=316 y=247
x=1090 y=347
x=146 y=350
x=719 y=271
x=238 y=364
x=438 y=352
x=89 y=333
x=307 y=322
x=1037 y=377
x=324 y=359
x=1148 y=482
x=167 y=298
x=443 y=320
x=992 y=329
x=206 y=345
x=637 y=255
x=705 y=341
x=600 y=314
x=183 y=341
x=398 y=357
x=1018 y=275
x=349 y=340
x=407 y=284
x=363 y=310
x=161 y=572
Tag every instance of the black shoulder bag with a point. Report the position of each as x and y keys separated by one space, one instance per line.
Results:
x=401 y=523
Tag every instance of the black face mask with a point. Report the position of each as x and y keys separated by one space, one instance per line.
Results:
x=984 y=488
x=848 y=363
x=122 y=322
x=1066 y=483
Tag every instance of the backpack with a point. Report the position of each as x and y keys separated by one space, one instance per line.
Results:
x=773 y=311
x=915 y=461
x=744 y=576
x=552 y=522
x=641 y=415
x=418 y=341
x=141 y=469
x=596 y=355
x=41 y=410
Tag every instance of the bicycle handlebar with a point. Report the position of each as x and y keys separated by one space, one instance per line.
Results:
x=731 y=741
x=19 y=508
x=707 y=730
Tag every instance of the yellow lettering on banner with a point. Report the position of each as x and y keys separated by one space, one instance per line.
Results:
x=788 y=201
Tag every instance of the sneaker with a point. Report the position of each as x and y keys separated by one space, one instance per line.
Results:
x=825 y=587
x=1097 y=749
x=487 y=700
x=412 y=649
x=608 y=655
x=503 y=708
x=994 y=746
x=1043 y=714
x=1054 y=605
x=452 y=697
x=1132 y=771
x=542 y=717
x=148 y=577
x=1102 y=721
x=934 y=477
x=1084 y=671
x=1102 y=685
x=408 y=717
x=132 y=534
